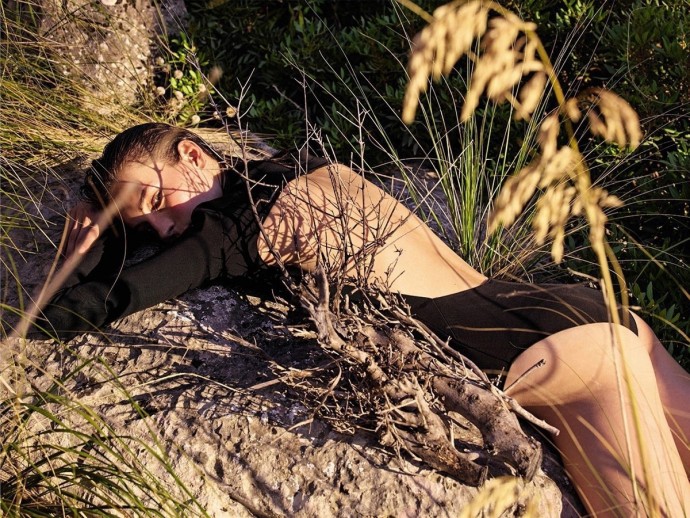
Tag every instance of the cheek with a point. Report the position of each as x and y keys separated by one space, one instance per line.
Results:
x=179 y=206
x=181 y=214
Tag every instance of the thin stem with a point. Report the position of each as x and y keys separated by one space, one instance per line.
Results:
x=416 y=10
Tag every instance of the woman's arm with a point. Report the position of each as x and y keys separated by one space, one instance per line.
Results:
x=101 y=290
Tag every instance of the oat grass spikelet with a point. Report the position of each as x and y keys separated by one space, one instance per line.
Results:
x=611 y=117
x=506 y=58
x=560 y=175
x=513 y=66
x=437 y=48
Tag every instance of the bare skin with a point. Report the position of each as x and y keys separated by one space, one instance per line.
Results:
x=333 y=208
x=335 y=216
x=577 y=391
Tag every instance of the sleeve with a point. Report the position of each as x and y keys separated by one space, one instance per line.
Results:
x=101 y=291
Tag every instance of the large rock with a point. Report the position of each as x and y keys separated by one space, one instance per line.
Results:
x=209 y=371
x=110 y=42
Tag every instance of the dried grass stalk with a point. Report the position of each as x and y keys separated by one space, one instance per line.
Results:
x=509 y=53
x=505 y=60
x=611 y=117
x=557 y=171
x=437 y=48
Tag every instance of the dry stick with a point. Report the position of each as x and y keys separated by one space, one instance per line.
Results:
x=486 y=407
x=442 y=347
x=527 y=416
x=431 y=441
x=424 y=432
x=522 y=376
x=514 y=405
x=524 y=456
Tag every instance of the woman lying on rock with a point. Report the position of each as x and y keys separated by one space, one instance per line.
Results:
x=169 y=181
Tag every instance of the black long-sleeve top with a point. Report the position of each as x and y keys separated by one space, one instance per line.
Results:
x=221 y=243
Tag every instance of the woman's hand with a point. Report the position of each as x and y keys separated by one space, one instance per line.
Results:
x=82 y=228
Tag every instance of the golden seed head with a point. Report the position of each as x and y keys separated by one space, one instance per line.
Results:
x=515 y=193
x=572 y=110
x=558 y=166
x=530 y=95
x=437 y=48
x=612 y=118
x=547 y=138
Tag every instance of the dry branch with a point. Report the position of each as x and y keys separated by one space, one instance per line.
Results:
x=417 y=388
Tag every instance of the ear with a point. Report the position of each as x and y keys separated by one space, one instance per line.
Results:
x=191 y=152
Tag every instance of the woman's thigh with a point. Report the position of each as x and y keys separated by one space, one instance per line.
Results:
x=599 y=386
x=585 y=361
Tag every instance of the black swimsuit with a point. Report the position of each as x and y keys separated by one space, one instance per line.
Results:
x=494 y=322
x=490 y=324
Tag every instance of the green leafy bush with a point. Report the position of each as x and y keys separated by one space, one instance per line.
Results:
x=180 y=81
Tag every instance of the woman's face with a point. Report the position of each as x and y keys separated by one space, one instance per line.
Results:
x=160 y=196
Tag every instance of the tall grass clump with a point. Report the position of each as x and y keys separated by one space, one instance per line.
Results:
x=58 y=455
x=455 y=169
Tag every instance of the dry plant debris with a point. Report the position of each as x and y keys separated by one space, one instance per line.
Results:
x=407 y=384
x=390 y=373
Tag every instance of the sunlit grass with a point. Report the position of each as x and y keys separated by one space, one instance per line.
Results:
x=58 y=456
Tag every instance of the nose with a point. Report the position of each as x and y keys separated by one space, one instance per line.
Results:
x=162 y=225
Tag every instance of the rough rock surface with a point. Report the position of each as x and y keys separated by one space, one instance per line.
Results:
x=110 y=42
x=207 y=370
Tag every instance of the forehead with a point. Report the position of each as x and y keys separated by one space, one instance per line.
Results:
x=141 y=171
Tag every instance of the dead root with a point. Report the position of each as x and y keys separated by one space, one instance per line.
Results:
x=409 y=382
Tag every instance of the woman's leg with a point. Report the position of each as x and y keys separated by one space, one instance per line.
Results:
x=674 y=389
x=578 y=391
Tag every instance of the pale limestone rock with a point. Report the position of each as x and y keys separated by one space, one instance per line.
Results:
x=110 y=42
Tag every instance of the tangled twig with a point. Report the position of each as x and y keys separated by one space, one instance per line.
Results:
x=416 y=389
